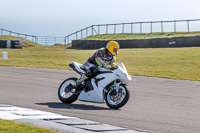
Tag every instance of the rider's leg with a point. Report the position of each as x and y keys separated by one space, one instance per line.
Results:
x=87 y=65
x=81 y=79
x=89 y=68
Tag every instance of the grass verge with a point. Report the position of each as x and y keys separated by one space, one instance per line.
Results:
x=175 y=63
x=7 y=126
x=126 y=36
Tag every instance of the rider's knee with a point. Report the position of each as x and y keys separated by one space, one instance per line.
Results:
x=91 y=72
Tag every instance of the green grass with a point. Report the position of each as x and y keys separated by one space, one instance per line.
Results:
x=175 y=63
x=126 y=36
x=7 y=126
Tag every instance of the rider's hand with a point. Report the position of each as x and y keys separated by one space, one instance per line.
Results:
x=106 y=66
x=115 y=67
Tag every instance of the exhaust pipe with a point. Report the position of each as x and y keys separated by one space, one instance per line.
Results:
x=72 y=66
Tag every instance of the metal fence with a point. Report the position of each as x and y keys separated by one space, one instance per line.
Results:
x=50 y=40
x=43 y=40
x=133 y=27
x=11 y=33
x=136 y=27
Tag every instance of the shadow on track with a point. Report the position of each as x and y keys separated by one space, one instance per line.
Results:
x=72 y=106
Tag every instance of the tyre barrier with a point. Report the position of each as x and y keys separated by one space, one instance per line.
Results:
x=17 y=44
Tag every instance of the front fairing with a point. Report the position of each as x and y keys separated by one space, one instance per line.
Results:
x=122 y=73
x=105 y=78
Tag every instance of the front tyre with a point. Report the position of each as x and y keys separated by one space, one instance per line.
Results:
x=118 y=99
x=66 y=91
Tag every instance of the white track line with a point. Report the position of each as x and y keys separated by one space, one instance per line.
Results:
x=57 y=122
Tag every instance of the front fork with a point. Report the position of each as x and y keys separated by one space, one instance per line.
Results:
x=114 y=87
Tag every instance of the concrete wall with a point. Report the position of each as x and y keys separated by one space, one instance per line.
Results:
x=141 y=43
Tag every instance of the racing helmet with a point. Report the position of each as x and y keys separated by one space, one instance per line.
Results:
x=113 y=47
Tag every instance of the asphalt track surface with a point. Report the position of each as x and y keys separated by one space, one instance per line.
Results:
x=156 y=104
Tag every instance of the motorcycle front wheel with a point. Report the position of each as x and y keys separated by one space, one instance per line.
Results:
x=116 y=99
x=66 y=91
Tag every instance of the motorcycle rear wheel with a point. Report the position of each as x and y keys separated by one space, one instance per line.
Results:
x=118 y=99
x=66 y=91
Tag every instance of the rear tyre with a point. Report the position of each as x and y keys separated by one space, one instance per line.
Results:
x=118 y=99
x=66 y=91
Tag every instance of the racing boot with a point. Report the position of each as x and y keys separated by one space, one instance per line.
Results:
x=80 y=81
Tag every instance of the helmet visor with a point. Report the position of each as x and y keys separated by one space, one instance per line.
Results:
x=115 y=50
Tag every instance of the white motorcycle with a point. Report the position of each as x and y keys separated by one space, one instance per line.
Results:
x=107 y=85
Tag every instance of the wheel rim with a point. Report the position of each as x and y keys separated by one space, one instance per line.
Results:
x=64 y=91
x=118 y=98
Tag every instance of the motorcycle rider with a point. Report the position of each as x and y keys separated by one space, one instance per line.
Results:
x=103 y=57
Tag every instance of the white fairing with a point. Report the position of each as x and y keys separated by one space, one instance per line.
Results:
x=93 y=95
x=123 y=73
x=102 y=80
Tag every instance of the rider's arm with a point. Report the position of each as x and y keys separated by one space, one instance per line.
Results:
x=111 y=64
x=98 y=59
x=100 y=62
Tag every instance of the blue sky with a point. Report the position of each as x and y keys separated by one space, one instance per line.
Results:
x=62 y=17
